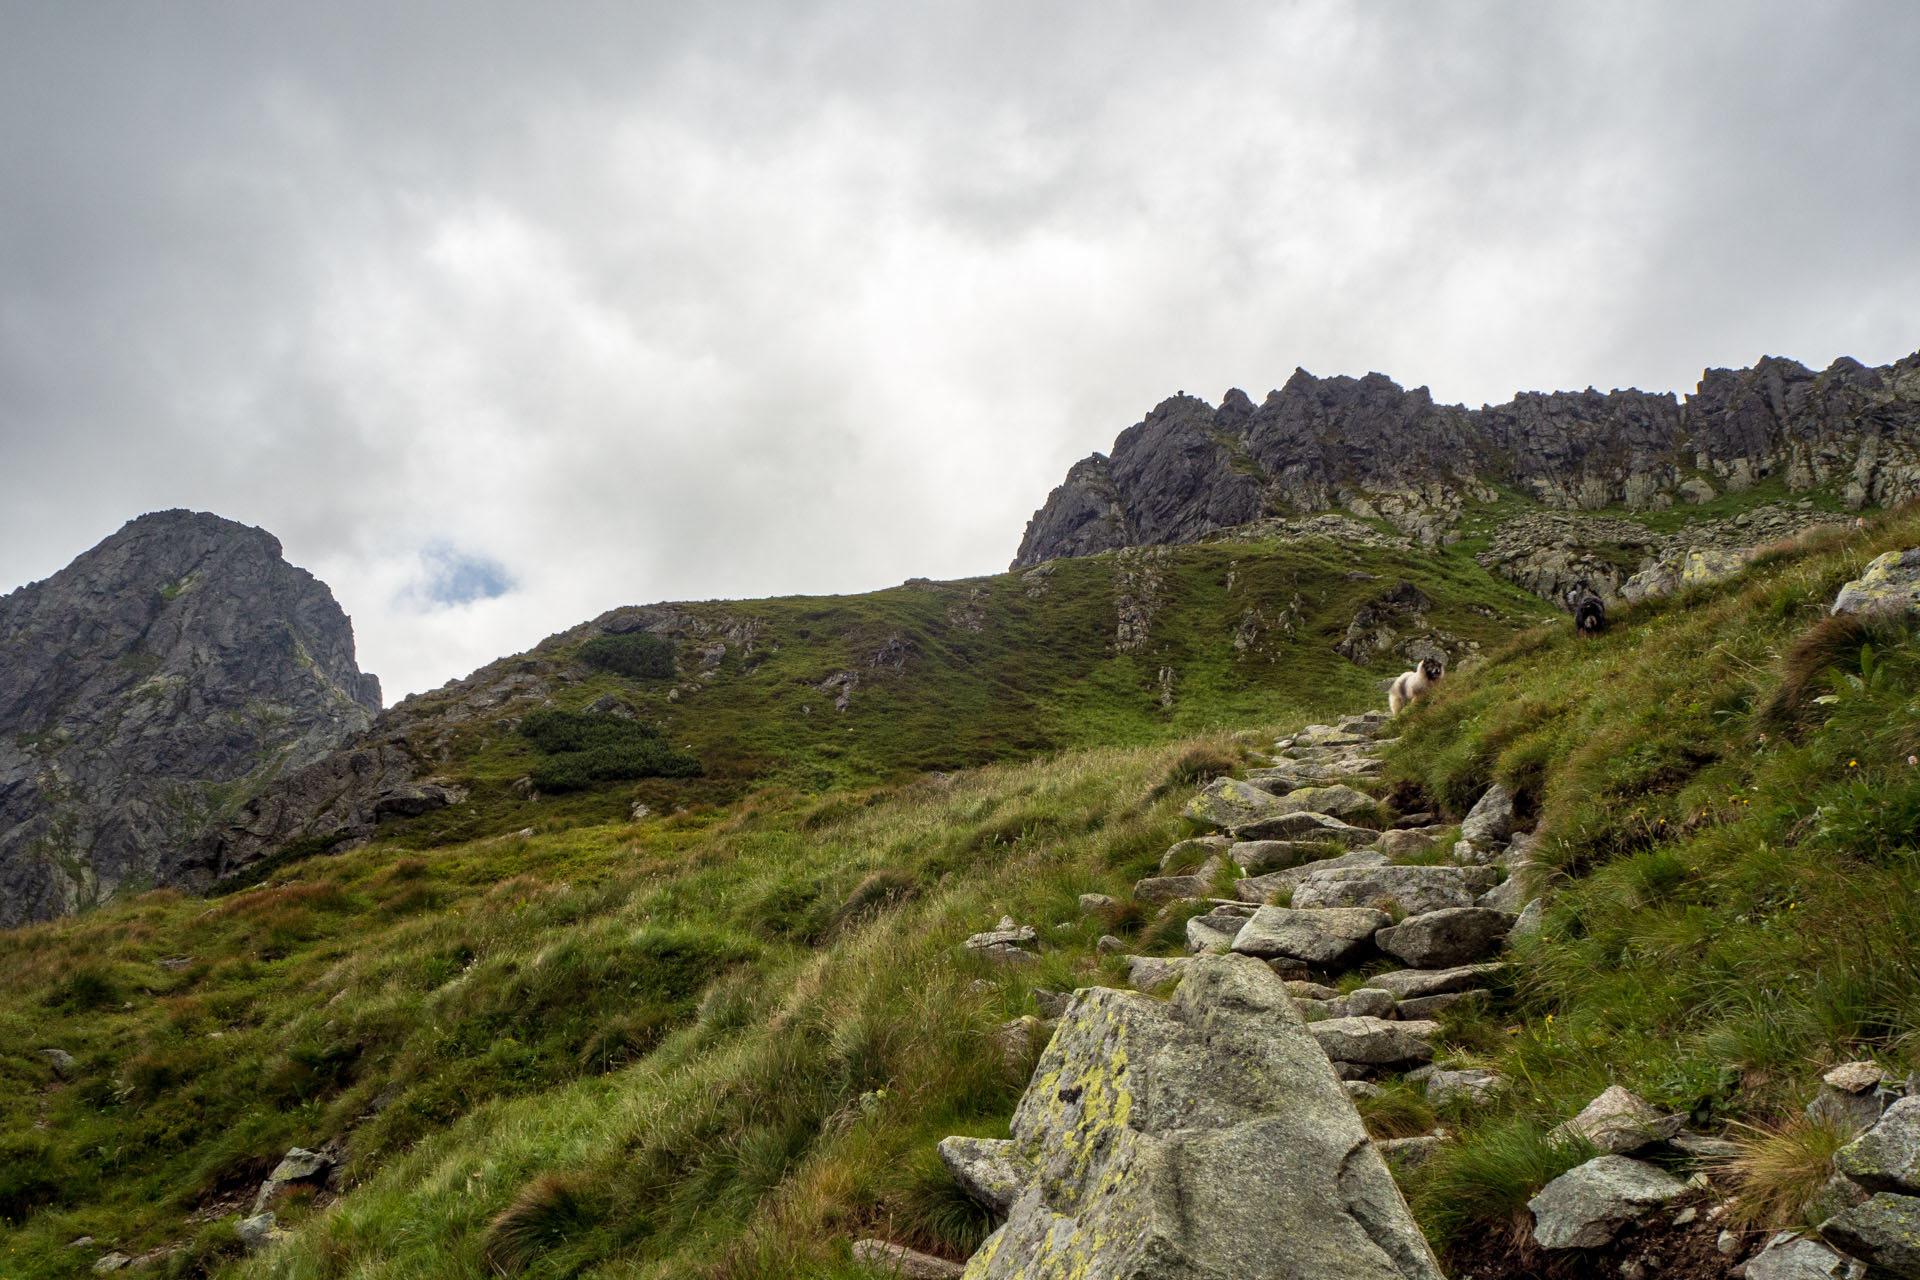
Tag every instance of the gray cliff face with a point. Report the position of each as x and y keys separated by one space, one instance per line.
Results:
x=1371 y=447
x=146 y=691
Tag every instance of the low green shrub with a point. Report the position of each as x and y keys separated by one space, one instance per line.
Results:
x=638 y=656
x=584 y=748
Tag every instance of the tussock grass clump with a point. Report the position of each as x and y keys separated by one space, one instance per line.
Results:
x=1833 y=644
x=545 y=1213
x=1197 y=766
x=1780 y=1170
x=881 y=891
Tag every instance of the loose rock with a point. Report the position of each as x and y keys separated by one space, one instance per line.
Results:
x=1891 y=585
x=1887 y=1156
x=1477 y=1087
x=1445 y=938
x=1406 y=983
x=1373 y=1042
x=1790 y=1257
x=1188 y=853
x=1206 y=1136
x=1491 y=819
x=1884 y=1232
x=1215 y=931
x=1411 y=890
x=1845 y=1110
x=1408 y=1153
x=1432 y=1006
x=1325 y=937
x=908 y=1264
x=1586 y=1207
x=1619 y=1121
x=1148 y=972
x=298 y=1165
x=987 y=1169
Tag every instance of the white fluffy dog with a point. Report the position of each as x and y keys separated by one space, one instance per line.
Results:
x=1410 y=686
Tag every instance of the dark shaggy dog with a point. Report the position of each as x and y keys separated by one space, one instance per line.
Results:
x=1588 y=609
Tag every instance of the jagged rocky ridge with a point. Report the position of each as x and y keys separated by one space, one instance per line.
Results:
x=146 y=691
x=1379 y=450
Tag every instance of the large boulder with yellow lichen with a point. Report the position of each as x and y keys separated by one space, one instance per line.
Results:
x=1202 y=1137
x=1891 y=584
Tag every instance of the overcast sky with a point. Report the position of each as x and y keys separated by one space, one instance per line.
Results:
x=500 y=315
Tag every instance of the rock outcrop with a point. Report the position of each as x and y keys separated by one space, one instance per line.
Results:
x=147 y=691
x=1381 y=452
x=1206 y=1136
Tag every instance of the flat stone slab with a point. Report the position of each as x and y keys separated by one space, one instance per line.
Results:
x=1335 y=801
x=909 y=1264
x=1375 y=1042
x=1227 y=803
x=1305 y=826
x=1206 y=1136
x=1408 y=983
x=1326 y=938
x=988 y=1169
x=1410 y=890
x=1262 y=888
x=1257 y=857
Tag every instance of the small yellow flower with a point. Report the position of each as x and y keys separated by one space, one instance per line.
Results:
x=1853 y=764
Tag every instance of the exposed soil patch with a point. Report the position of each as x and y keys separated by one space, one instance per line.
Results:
x=1656 y=1248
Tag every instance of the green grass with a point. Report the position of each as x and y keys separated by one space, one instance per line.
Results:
x=1732 y=871
x=722 y=1040
x=950 y=676
x=649 y=1049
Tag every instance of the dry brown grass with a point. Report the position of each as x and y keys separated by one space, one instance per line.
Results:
x=1780 y=1169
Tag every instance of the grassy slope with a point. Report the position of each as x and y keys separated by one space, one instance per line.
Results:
x=1731 y=832
x=1040 y=674
x=723 y=1042
x=456 y=964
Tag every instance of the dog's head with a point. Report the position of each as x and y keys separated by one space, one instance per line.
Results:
x=1432 y=668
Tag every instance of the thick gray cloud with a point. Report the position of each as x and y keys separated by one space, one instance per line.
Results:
x=499 y=315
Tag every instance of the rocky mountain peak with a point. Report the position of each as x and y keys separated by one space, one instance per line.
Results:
x=147 y=690
x=1372 y=447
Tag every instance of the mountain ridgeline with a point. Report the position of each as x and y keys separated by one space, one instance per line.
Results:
x=181 y=708
x=1369 y=446
x=146 y=691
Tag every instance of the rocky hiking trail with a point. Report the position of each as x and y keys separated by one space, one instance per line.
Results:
x=1214 y=1131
